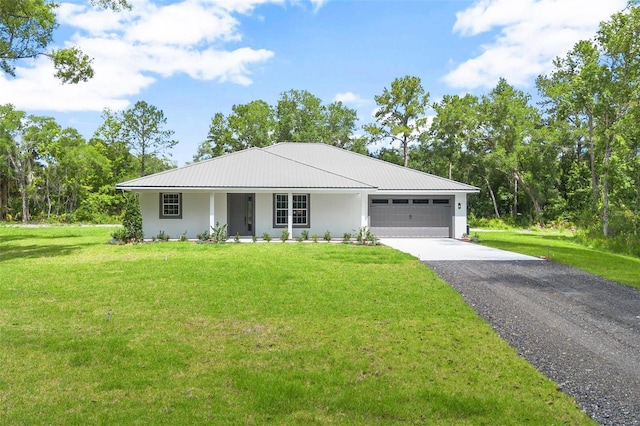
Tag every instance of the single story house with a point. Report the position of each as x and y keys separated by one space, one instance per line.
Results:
x=300 y=186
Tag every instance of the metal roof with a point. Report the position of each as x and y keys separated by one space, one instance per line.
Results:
x=297 y=165
x=381 y=174
x=251 y=168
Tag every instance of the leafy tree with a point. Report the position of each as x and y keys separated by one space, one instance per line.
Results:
x=142 y=129
x=108 y=140
x=219 y=139
x=571 y=95
x=340 y=126
x=452 y=137
x=401 y=114
x=132 y=220
x=300 y=116
x=21 y=151
x=10 y=128
x=511 y=142
x=251 y=125
x=26 y=32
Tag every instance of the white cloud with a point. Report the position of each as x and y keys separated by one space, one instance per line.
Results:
x=131 y=50
x=317 y=4
x=530 y=35
x=350 y=98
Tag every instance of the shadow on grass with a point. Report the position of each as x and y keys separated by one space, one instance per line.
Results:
x=36 y=251
x=27 y=236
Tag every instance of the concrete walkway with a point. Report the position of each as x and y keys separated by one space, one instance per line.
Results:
x=432 y=249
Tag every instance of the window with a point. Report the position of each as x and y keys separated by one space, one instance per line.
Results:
x=282 y=208
x=379 y=201
x=440 y=201
x=170 y=205
x=400 y=201
x=420 y=201
x=300 y=210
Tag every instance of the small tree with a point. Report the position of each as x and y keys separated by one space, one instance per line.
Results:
x=132 y=220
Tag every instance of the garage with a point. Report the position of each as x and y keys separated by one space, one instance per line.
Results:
x=411 y=216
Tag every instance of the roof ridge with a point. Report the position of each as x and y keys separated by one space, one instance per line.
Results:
x=378 y=160
x=311 y=166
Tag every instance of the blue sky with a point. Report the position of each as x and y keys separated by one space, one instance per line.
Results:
x=193 y=58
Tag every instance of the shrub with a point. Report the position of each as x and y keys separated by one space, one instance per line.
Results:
x=183 y=236
x=304 y=234
x=254 y=238
x=219 y=233
x=284 y=236
x=131 y=222
x=119 y=236
x=204 y=236
x=162 y=236
x=266 y=237
x=314 y=238
x=327 y=236
x=365 y=236
x=346 y=237
x=237 y=237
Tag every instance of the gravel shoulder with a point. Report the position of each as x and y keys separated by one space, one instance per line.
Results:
x=580 y=330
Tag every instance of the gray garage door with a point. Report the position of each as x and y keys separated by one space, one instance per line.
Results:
x=410 y=216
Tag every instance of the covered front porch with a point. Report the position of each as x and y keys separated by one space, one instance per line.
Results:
x=255 y=212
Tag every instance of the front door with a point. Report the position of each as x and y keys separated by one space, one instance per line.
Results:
x=240 y=214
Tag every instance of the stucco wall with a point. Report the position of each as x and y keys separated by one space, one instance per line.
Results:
x=460 y=216
x=195 y=215
x=337 y=213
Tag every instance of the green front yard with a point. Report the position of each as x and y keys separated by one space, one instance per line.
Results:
x=563 y=247
x=247 y=334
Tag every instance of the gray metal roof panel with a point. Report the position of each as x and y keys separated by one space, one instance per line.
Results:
x=251 y=168
x=380 y=174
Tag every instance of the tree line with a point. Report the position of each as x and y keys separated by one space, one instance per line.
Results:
x=570 y=156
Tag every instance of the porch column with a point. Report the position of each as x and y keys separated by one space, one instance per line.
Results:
x=364 y=209
x=212 y=210
x=290 y=214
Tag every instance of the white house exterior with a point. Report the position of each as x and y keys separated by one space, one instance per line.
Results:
x=300 y=186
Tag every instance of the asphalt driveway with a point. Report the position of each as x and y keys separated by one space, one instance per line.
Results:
x=430 y=249
x=580 y=330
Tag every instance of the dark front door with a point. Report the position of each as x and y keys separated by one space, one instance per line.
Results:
x=240 y=209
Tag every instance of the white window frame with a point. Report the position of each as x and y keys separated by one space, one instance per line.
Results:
x=281 y=205
x=172 y=200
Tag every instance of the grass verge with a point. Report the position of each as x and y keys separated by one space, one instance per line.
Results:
x=183 y=333
x=563 y=247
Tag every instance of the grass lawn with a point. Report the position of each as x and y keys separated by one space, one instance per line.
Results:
x=247 y=334
x=562 y=247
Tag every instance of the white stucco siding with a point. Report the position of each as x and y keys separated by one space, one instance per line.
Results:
x=336 y=213
x=195 y=215
x=460 y=216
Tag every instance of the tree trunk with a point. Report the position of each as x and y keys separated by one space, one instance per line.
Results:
x=450 y=168
x=605 y=187
x=25 y=198
x=493 y=197
x=405 y=148
x=536 y=204
x=515 y=197
x=592 y=160
x=4 y=196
